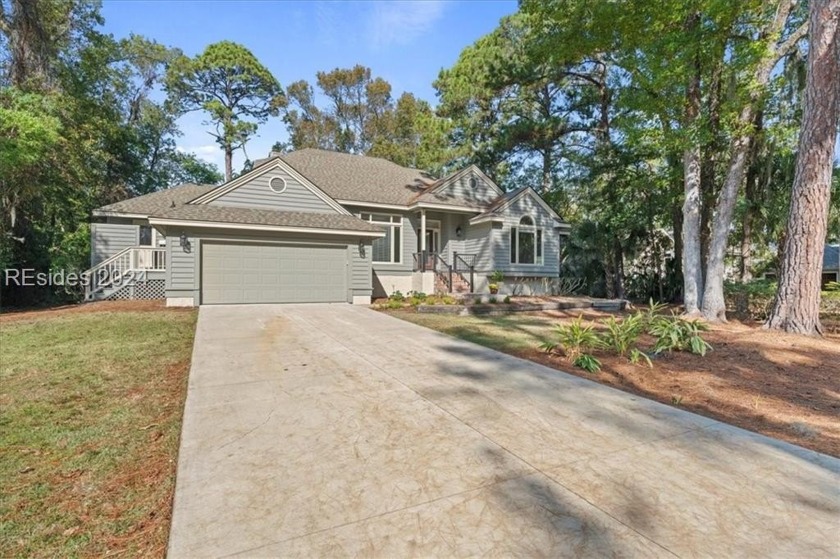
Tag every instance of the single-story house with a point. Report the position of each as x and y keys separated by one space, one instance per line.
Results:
x=322 y=226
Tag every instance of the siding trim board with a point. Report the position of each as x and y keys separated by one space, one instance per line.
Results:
x=249 y=227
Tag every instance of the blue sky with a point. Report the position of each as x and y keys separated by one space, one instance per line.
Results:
x=404 y=42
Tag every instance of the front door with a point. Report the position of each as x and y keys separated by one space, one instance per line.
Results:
x=432 y=240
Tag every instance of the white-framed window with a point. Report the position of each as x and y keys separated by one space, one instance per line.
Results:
x=387 y=249
x=526 y=243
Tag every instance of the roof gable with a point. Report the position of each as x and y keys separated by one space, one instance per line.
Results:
x=467 y=187
x=504 y=203
x=258 y=180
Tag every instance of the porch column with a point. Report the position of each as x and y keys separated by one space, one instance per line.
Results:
x=423 y=231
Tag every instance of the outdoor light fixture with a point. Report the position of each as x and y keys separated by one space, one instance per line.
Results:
x=362 y=248
x=185 y=242
x=459 y=232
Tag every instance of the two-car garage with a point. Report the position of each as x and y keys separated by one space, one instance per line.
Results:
x=237 y=273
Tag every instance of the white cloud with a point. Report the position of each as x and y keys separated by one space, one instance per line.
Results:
x=397 y=23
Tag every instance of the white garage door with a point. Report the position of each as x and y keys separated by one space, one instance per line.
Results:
x=250 y=273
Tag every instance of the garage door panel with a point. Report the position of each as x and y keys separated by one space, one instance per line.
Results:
x=245 y=273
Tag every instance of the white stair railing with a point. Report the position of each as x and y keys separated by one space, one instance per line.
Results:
x=128 y=265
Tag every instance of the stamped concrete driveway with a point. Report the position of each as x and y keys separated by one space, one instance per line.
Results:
x=333 y=430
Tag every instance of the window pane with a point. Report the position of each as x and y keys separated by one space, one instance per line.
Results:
x=526 y=221
x=539 y=245
x=381 y=218
x=382 y=247
x=395 y=231
x=365 y=217
x=513 y=245
x=145 y=235
x=526 y=247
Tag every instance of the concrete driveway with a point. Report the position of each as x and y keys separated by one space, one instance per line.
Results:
x=333 y=430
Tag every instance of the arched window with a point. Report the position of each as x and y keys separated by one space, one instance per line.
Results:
x=526 y=243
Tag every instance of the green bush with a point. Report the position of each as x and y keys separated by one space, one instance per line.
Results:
x=492 y=300
x=588 y=363
x=677 y=334
x=507 y=300
x=574 y=339
x=750 y=300
x=833 y=286
x=393 y=304
x=621 y=336
x=497 y=276
x=397 y=296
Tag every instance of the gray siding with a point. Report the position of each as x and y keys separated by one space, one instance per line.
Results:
x=460 y=189
x=361 y=275
x=500 y=240
x=410 y=223
x=107 y=239
x=477 y=241
x=257 y=194
x=184 y=270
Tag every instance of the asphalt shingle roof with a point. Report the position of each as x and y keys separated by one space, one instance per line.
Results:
x=344 y=176
x=253 y=216
x=160 y=201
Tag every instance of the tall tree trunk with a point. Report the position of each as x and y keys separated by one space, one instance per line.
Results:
x=546 y=172
x=797 y=305
x=618 y=254
x=228 y=162
x=714 y=305
x=691 y=256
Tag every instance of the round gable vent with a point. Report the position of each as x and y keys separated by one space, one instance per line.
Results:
x=473 y=182
x=277 y=184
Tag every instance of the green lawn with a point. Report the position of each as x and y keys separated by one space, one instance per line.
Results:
x=510 y=334
x=91 y=417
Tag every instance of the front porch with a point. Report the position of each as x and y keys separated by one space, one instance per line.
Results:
x=137 y=272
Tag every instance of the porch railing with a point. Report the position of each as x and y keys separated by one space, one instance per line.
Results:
x=462 y=265
x=130 y=264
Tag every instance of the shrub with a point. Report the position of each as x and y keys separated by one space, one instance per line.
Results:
x=397 y=296
x=652 y=314
x=393 y=304
x=832 y=286
x=574 y=339
x=621 y=336
x=497 y=276
x=492 y=300
x=677 y=334
x=507 y=300
x=587 y=363
x=752 y=299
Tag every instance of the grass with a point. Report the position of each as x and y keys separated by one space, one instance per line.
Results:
x=512 y=334
x=91 y=418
